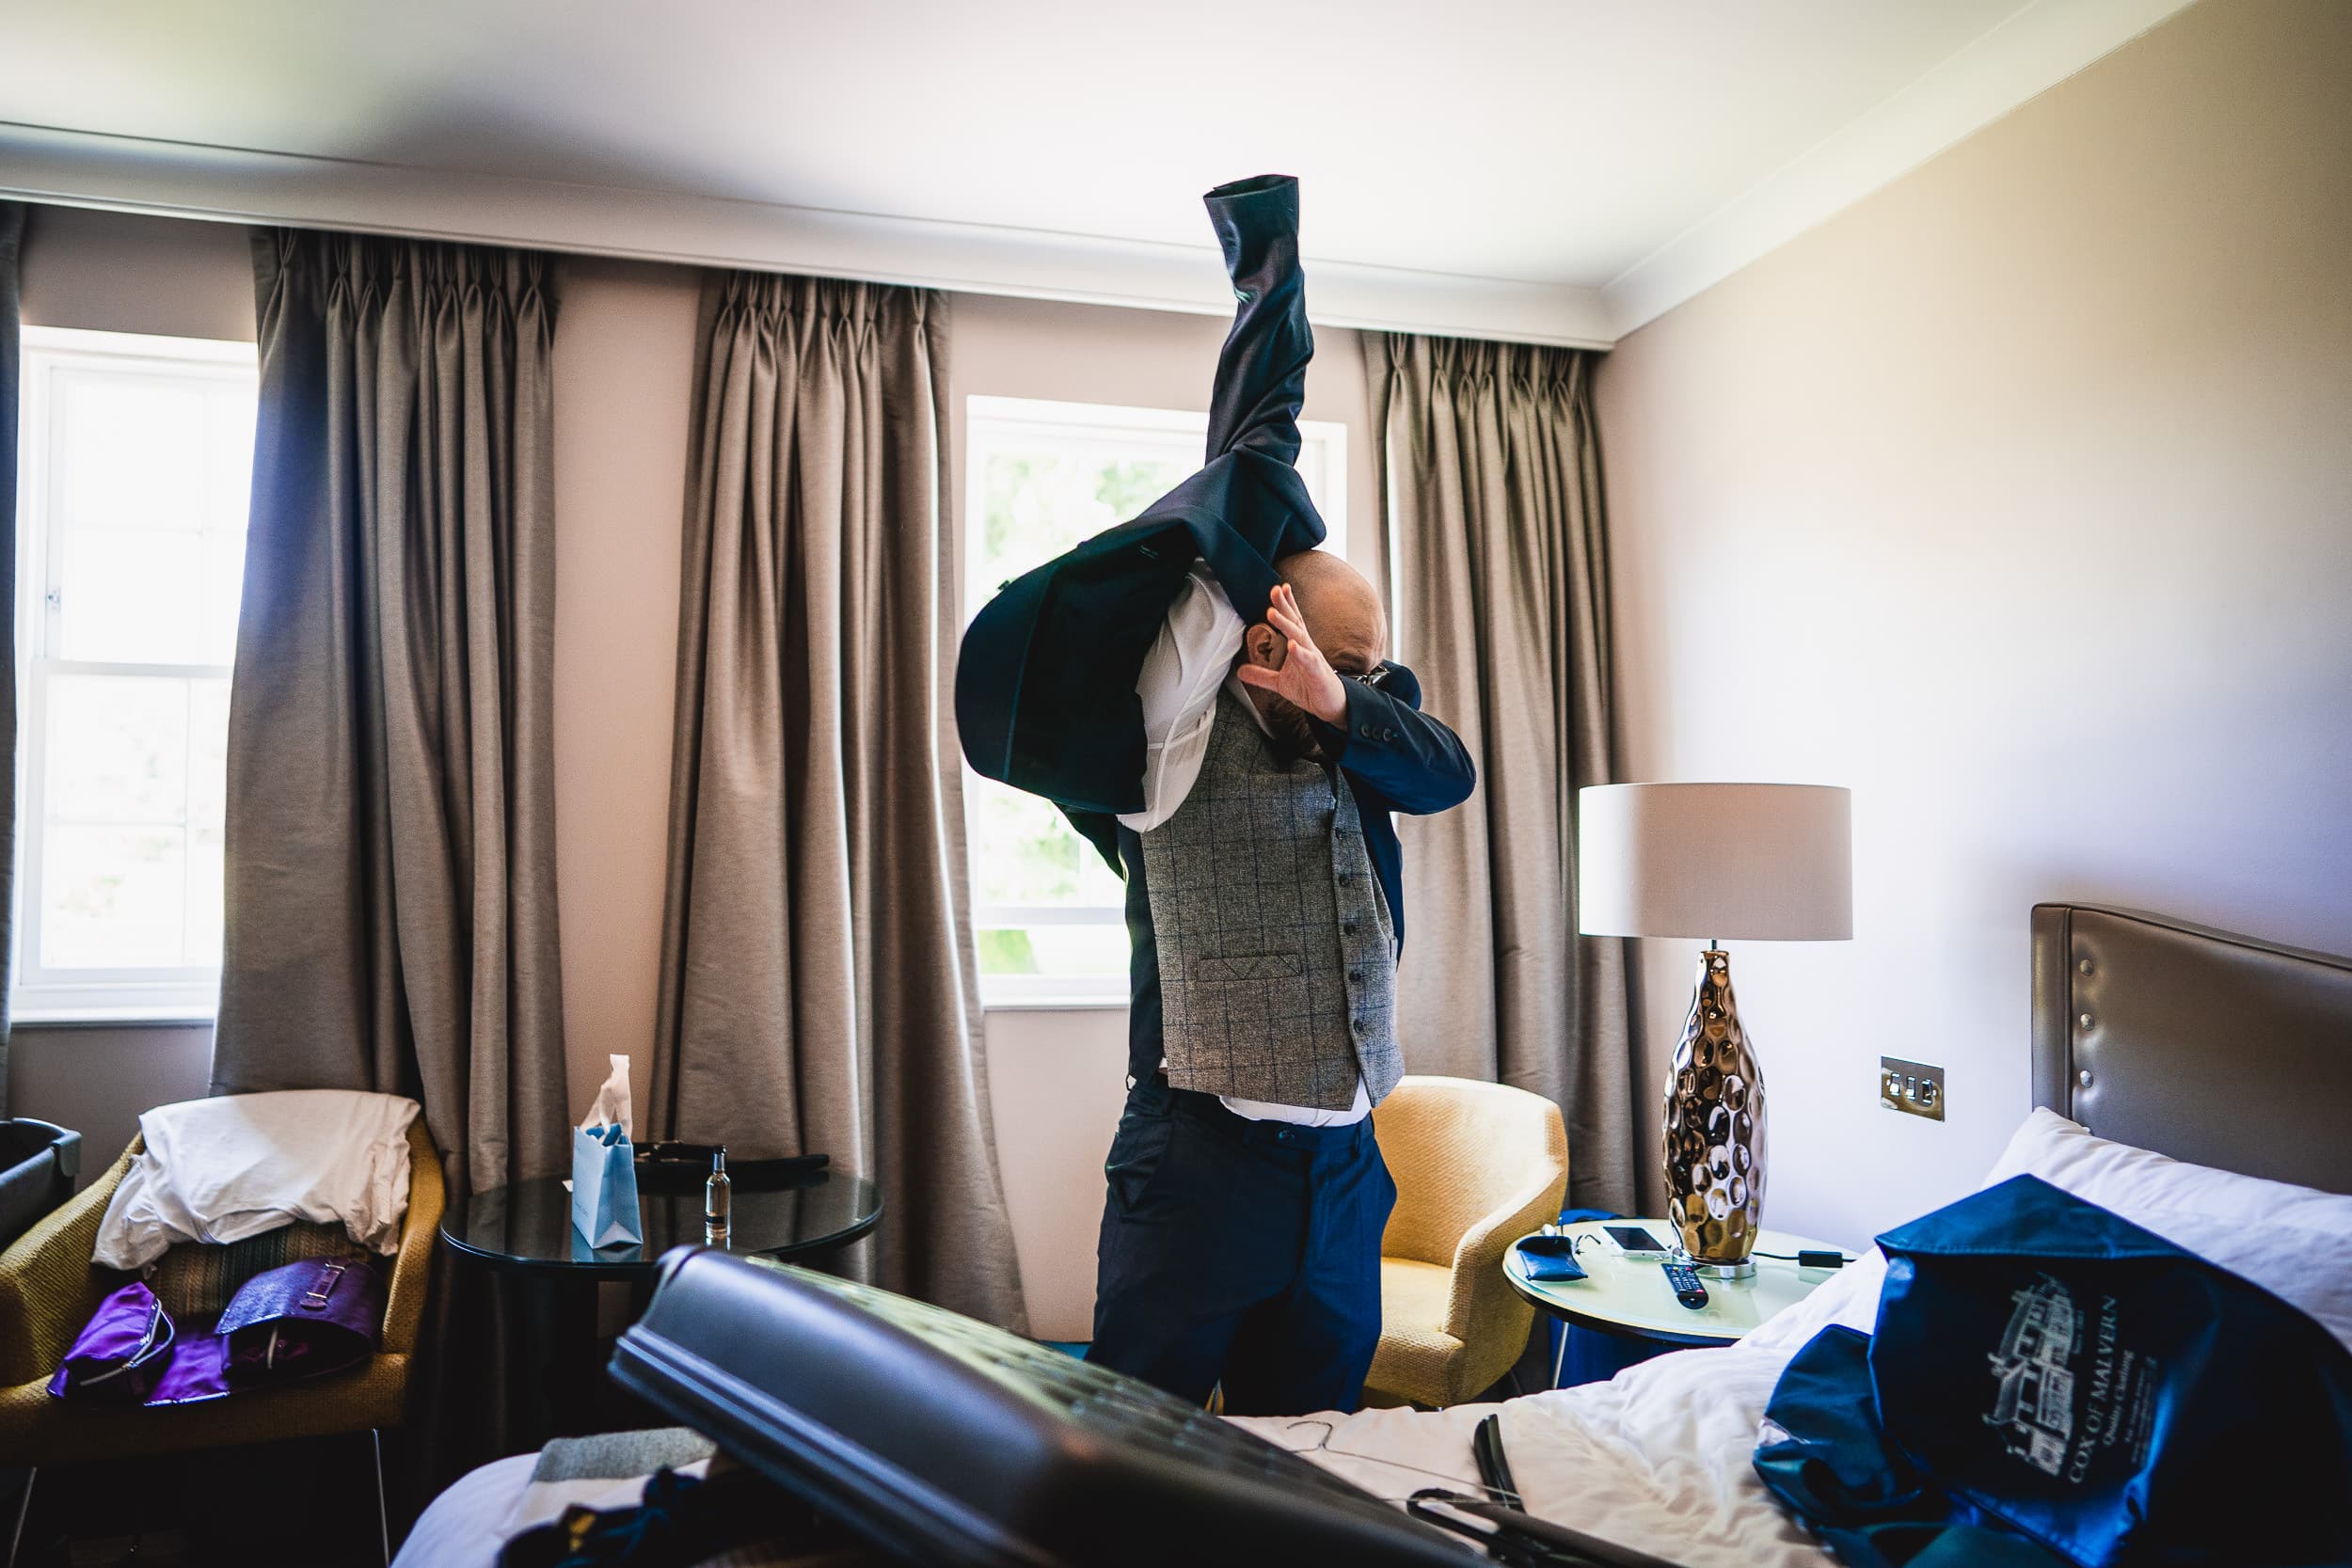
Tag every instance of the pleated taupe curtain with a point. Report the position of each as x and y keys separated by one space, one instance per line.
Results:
x=392 y=916
x=816 y=990
x=11 y=243
x=1492 y=467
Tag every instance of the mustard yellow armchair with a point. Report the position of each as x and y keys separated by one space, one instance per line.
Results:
x=1477 y=1165
x=49 y=1288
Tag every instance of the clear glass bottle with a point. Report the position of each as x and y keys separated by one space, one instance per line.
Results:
x=718 y=1197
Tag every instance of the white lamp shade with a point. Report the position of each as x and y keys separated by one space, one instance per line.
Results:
x=1769 y=863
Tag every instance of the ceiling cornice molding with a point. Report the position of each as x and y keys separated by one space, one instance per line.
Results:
x=2030 y=51
x=2033 y=50
x=233 y=185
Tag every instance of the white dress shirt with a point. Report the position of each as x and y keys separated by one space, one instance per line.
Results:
x=1190 y=661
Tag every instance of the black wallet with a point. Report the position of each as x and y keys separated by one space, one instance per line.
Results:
x=1549 y=1259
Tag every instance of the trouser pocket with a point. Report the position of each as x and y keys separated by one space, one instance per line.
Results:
x=1139 y=1152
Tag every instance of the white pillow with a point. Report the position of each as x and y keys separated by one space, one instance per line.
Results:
x=2293 y=1242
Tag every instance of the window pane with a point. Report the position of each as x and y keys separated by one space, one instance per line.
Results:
x=1042 y=478
x=1037 y=503
x=131 y=595
x=1027 y=853
x=207 y=898
x=229 y=456
x=223 y=589
x=113 y=897
x=118 y=750
x=208 y=752
x=130 y=451
x=1070 y=950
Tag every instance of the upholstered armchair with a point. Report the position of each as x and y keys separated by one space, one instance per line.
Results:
x=49 y=1288
x=1477 y=1165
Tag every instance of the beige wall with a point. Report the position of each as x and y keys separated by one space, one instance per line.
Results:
x=2018 y=498
x=624 y=373
x=623 y=363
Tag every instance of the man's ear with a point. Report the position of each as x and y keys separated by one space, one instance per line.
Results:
x=1263 y=645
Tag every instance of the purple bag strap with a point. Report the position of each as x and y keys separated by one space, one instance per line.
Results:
x=341 y=1293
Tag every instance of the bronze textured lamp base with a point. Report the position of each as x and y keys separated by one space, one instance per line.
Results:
x=1714 y=1137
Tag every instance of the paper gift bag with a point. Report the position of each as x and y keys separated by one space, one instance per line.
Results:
x=604 y=1167
x=604 y=1186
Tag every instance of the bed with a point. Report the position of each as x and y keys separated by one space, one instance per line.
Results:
x=2152 y=1041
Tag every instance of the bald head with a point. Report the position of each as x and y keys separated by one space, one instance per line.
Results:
x=1342 y=612
x=1342 y=616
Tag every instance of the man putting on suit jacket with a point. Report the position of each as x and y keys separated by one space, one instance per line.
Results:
x=1241 y=1234
x=1204 y=694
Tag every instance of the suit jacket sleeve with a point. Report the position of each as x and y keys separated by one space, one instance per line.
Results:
x=1414 y=763
x=1045 y=689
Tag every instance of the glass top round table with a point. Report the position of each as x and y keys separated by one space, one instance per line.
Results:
x=1628 y=1295
x=528 y=1225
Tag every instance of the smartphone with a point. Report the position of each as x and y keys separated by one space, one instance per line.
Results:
x=1635 y=1241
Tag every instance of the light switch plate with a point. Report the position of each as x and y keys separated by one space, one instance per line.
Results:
x=1913 y=1088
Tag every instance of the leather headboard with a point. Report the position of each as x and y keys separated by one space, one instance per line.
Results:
x=2205 y=1046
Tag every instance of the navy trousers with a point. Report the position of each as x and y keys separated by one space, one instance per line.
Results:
x=1240 y=1252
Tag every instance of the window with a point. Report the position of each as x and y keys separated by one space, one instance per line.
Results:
x=1041 y=477
x=135 y=458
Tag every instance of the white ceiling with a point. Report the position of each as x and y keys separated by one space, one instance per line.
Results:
x=1545 y=169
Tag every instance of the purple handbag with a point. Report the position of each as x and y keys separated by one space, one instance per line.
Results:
x=302 y=1320
x=131 y=1353
x=121 y=1352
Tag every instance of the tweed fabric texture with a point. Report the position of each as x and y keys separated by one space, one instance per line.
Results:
x=1278 y=963
x=48 y=1289
x=194 y=1280
x=1477 y=1166
x=619 y=1455
x=1417 y=1358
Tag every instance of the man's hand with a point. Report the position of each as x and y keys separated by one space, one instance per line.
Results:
x=1304 y=677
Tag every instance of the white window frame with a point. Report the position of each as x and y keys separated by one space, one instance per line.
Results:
x=993 y=423
x=178 y=993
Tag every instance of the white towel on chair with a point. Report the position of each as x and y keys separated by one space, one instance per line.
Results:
x=235 y=1165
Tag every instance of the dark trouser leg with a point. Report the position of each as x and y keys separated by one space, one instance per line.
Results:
x=1196 y=1233
x=1309 y=1349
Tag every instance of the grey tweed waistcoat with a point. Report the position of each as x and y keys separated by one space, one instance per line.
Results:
x=1278 y=967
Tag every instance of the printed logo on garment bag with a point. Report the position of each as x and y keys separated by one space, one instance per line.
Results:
x=2050 y=1353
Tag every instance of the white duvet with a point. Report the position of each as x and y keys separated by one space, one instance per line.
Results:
x=1657 y=1458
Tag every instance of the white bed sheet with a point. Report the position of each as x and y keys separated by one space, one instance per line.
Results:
x=466 y=1525
x=1657 y=1458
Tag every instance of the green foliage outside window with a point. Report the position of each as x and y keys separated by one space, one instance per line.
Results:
x=1036 y=505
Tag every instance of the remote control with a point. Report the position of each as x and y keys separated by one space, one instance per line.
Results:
x=1686 y=1288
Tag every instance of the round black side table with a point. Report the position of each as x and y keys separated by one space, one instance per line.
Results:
x=529 y=1224
x=522 y=1324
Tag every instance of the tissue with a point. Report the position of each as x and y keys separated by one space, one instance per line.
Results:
x=612 y=1106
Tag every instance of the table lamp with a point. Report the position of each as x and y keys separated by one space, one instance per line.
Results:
x=1771 y=863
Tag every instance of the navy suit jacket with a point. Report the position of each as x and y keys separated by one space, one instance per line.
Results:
x=1046 y=684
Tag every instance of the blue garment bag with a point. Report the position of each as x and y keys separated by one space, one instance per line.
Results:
x=2049 y=1384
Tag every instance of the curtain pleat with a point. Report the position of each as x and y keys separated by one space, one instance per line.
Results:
x=391 y=902
x=11 y=243
x=816 y=990
x=1492 y=472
